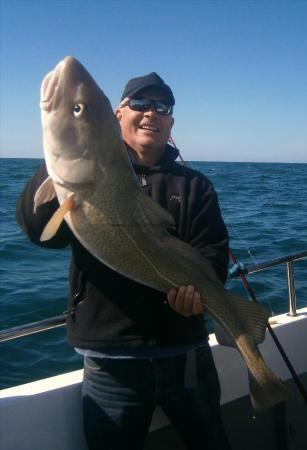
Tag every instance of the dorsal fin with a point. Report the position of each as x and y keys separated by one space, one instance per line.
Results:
x=44 y=193
x=54 y=223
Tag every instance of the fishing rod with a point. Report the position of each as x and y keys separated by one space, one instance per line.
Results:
x=172 y=142
x=251 y=293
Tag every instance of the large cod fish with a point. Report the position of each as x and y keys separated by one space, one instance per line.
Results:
x=91 y=174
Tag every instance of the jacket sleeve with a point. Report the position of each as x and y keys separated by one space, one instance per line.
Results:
x=207 y=230
x=33 y=223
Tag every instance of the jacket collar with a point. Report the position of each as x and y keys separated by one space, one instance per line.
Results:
x=169 y=155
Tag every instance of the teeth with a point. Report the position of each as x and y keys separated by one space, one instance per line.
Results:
x=148 y=127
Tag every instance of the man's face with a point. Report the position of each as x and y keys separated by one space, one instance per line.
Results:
x=148 y=129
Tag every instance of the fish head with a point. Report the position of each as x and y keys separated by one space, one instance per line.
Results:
x=79 y=125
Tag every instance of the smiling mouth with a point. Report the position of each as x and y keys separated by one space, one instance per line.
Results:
x=151 y=128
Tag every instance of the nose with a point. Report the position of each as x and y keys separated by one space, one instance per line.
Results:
x=150 y=112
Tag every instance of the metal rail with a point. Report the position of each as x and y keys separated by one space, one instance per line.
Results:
x=33 y=327
x=60 y=321
x=276 y=262
x=289 y=261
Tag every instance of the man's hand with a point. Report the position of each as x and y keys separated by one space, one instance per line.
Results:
x=185 y=301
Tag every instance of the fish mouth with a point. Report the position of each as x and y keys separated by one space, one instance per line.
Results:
x=50 y=86
x=53 y=85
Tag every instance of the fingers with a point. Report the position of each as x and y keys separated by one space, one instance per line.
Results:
x=185 y=300
x=198 y=307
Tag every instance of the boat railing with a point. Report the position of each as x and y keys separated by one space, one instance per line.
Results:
x=289 y=261
x=60 y=320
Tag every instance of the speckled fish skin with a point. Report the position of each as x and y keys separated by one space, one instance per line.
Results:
x=124 y=228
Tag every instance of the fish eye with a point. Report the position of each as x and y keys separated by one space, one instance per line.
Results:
x=78 y=109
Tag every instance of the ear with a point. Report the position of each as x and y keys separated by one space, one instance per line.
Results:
x=172 y=120
x=118 y=114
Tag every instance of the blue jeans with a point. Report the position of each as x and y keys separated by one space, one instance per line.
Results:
x=119 y=397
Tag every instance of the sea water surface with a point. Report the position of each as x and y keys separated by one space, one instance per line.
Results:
x=264 y=206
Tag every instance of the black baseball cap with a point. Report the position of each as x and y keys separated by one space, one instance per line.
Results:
x=135 y=85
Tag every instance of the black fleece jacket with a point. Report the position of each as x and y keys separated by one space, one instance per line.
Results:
x=108 y=310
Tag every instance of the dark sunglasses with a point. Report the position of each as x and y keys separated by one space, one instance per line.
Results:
x=145 y=104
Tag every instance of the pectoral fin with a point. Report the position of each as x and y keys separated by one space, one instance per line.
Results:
x=44 y=193
x=54 y=223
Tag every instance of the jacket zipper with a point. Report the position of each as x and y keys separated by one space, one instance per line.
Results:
x=78 y=296
x=143 y=180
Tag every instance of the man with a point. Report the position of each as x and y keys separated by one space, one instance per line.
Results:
x=141 y=347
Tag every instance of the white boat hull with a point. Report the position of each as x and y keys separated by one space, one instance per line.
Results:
x=46 y=414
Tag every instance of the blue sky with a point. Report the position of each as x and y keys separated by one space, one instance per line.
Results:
x=238 y=69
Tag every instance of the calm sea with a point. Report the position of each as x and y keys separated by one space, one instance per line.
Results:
x=263 y=205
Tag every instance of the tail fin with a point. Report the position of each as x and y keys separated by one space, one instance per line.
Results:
x=269 y=394
x=246 y=330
